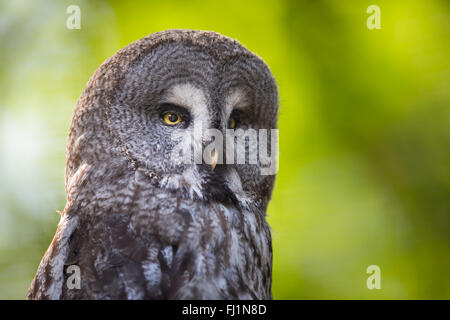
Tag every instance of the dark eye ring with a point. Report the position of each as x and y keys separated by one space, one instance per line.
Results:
x=174 y=115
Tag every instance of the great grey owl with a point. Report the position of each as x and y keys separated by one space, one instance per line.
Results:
x=138 y=222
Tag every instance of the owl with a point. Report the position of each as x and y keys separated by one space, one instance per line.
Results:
x=142 y=222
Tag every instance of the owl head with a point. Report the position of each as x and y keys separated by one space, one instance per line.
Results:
x=179 y=110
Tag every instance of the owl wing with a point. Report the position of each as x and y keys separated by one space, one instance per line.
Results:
x=117 y=262
x=48 y=281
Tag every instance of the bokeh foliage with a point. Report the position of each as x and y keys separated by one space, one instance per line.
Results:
x=364 y=132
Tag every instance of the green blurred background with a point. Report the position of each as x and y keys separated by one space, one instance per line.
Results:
x=364 y=132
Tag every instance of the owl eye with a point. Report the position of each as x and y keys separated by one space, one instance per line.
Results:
x=232 y=123
x=171 y=118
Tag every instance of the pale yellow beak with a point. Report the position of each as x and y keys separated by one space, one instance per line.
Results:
x=214 y=157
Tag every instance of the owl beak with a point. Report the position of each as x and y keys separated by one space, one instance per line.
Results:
x=214 y=157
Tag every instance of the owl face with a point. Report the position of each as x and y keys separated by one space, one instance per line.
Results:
x=176 y=93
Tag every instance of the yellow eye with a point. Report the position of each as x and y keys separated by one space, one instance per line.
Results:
x=171 y=118
x=232 y=123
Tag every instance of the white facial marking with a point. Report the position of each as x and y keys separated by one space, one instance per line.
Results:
x=236 y=99
x=193 y=180
x=234 y=182
x=188 y=96
x=190 y=179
